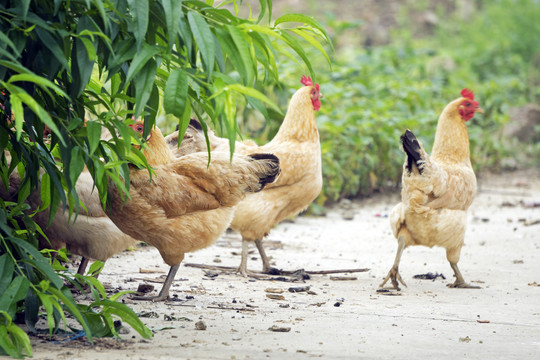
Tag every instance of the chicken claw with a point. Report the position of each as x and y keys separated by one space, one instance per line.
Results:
x=462 y=285
x=460 y=282
x=394 y=275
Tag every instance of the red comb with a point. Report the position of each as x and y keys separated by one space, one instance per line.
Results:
x=306 y=80
x=467 y=93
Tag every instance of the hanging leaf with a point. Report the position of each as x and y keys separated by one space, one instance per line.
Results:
x=176 y=90
x=173 y=15
x=204 y=39
x=139 y=11
x=93 y=130
x=244 y=52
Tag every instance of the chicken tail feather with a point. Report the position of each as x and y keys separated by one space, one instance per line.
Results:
x=271 y=168
x=412 y=148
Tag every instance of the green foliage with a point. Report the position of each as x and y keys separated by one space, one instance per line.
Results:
x=29 y=283
x=78 y=67
x=373 y=94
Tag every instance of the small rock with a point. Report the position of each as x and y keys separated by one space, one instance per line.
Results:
x=465 y=339
x=275 y=297
x=148 y=314
x=211 y=274
x=299 y=289
x=274 y=290
x=200 y=325
x=145 y=288
x=276 y=328
x=123 y=330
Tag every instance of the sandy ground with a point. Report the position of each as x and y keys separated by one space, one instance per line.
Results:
x=343 y=316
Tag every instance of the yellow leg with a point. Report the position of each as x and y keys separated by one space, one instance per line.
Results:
x=242 y=269
x=393 y=274
x=164 y=293
x=460 y=282
x=267 y=268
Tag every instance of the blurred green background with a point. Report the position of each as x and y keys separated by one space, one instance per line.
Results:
x=396 y=65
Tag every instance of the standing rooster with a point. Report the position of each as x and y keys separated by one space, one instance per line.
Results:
x=437 y=189
x=188 y=202
x=298 y=147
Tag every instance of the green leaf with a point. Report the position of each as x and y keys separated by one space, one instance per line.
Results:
x=15 y=292
x=6 y=40
x=93 y=130
x=18 y=112
x=242 y=47
x=204 y=38
x=104 y=17
x=46 y=301
x=144 y=82
x=45 y=191
x=139 y=11
x=255 y=94
x=90 y=49
x=21 y=338
x=175 y=95
x=306 y=20
x=12 y=339
x=6 y=272
x=38 y=261
x=38 y=80
x=126 y=314
x=76 y=164
x=52 y=45
x=173 y=14
x=72 y=307
x=34 y=106
x=310 y=39
x=139 y=61
x=297 y=47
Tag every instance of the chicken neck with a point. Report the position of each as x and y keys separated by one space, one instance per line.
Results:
x=158 y=152
x=451 y=139
x=299 y=123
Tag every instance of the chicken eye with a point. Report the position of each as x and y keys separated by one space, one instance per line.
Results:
x=468 y=103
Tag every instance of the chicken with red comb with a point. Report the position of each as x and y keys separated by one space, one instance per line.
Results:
x=437 y=189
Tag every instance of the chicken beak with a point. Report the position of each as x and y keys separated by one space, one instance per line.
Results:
x=479 y=110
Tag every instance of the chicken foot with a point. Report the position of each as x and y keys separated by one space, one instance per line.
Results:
x=164 y=293
x=460 y=281
x=393 y=274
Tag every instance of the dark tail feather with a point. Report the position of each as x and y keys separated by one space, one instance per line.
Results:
x=193 y=122
x=273 y=168
x=411 y=146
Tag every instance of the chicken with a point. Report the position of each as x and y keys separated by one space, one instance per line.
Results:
x=437 y=190
x=187 y=203
x=92 y=235
x=298 y=148
x=193 y=140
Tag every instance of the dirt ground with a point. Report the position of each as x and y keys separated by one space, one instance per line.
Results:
x=342 y=316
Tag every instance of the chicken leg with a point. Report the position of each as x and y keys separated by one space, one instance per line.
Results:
x=460 y=282
x=82 y=266
x=164 y=293
x=242 y=269
x=393 y=274
x=267 y=268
